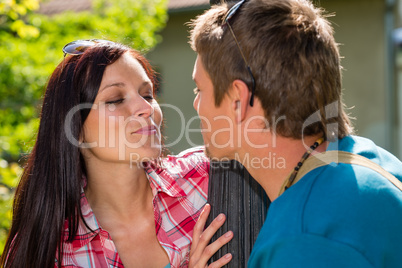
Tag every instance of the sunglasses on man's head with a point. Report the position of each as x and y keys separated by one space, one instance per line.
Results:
x=229 y=15
x=78 y=47
x=232 y=11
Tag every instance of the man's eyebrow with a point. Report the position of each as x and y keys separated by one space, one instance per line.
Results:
x=118 y=84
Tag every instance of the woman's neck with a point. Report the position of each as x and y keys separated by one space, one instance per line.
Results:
x=117 y=189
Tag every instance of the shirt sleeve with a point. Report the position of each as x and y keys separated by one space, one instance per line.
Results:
x=307 y=250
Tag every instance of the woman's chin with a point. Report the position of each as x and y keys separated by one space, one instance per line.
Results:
x=146 y=155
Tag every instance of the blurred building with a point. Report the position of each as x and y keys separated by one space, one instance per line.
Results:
x=372 y=77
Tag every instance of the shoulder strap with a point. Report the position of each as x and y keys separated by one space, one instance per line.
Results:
x=322 y=159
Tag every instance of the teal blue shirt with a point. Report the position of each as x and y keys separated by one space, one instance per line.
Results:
x=336 y=216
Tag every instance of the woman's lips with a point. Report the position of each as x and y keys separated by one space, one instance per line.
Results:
x=149 y=130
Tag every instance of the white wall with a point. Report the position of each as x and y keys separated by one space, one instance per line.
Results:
x=175 y=60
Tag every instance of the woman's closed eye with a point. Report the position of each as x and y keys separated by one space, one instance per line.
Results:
x=117 y=101
x=148 y=97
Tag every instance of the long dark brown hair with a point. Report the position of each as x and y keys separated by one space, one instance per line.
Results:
x=48 y=194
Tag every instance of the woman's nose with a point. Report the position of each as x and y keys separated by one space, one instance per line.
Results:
x=144 y=108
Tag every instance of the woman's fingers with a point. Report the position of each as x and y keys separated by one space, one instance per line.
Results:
x=211 y=230
x=209 y=251
x=201 y=252
x=212 y=248
x=221 y=262
x=199 y=226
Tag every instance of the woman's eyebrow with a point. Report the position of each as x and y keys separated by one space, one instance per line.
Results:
x=118 y=84
x=145 y=84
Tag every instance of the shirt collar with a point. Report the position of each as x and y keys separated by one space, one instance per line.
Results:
x=163 y=179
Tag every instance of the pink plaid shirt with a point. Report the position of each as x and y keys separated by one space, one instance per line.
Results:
x=179 y=186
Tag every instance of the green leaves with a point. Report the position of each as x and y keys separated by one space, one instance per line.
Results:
x=23 y=30
x=12 y=13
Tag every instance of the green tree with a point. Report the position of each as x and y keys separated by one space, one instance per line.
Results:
x=12 y=15
x=12 y=27
x=30 y=49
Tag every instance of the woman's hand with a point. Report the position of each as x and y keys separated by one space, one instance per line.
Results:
x=200 y=251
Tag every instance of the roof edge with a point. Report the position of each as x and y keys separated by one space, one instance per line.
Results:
x=188 y=9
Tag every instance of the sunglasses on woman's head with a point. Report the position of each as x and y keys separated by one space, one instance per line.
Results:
x=78 y=47
x=229 y=15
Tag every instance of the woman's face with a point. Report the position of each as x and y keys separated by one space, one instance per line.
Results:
x=124 y=122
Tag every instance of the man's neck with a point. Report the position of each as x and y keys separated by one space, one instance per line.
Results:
x=271 y=166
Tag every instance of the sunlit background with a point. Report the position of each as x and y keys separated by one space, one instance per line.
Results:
x=32 y=33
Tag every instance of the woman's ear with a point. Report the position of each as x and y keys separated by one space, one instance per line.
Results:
x=240 y=98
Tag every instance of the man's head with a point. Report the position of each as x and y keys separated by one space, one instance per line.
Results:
x=290 y=48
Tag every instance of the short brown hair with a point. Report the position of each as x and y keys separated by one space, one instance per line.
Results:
x=293 y=56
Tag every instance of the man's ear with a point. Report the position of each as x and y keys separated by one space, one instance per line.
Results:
x=240 y=98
